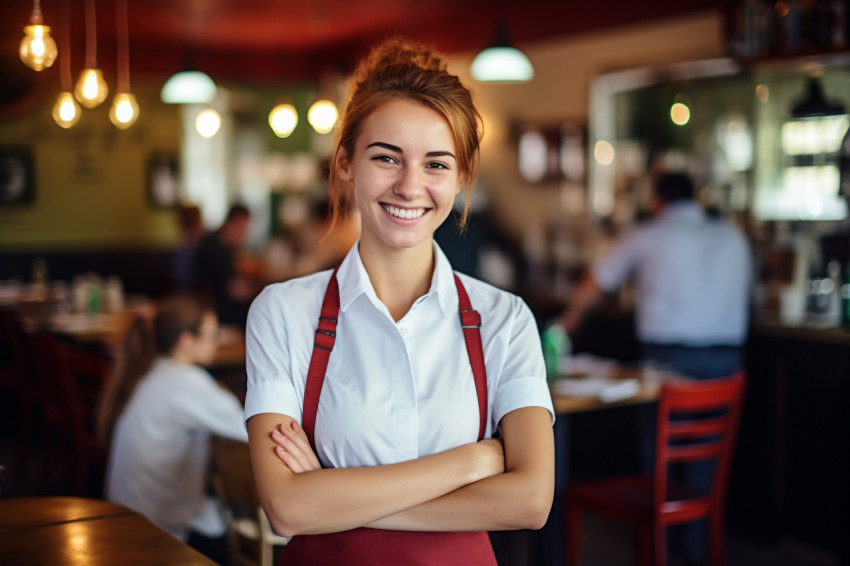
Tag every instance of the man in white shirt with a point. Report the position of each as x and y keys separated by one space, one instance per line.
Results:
x=692 y=273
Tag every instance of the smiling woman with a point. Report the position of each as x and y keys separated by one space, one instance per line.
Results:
x=382 y=428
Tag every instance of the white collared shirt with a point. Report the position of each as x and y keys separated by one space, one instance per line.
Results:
x=159 y=454
x=393 y=391
x=693 y=277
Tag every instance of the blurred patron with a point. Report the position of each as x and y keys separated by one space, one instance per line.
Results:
x=215 y=269
x=157 y=416
x=693 y=272
x=191 y=231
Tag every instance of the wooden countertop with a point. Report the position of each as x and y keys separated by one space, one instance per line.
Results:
x=90 y=532
x=773 y=327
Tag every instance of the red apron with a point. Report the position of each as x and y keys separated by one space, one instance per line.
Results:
x=373 y=547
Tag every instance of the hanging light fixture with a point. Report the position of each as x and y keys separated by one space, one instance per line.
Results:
x=66 y=111
x=37 y=49
x=208 y=122
x=91 y=89
x=501 y=62
x=125 y=109
x=322 y=115
x=283 y=118
x=188 y=87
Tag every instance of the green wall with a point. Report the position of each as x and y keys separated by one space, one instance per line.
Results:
x=90 y=180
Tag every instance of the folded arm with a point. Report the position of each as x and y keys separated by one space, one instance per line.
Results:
x=332 y=500
x=520 y=498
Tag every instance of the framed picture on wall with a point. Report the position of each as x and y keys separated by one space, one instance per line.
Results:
x=17 y=183
x=163 y=181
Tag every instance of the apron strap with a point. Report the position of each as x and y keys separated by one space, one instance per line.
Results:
x=470 y=321
x=322 y=346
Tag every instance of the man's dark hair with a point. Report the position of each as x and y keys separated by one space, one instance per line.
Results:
x=673 y=187
x=237 y=211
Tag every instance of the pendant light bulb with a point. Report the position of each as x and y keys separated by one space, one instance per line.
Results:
x=207 y=123
x=124 y=111
x=91 y=89
x=322 y=116
x=66 y=111
x=37 y=50
x=283 y=118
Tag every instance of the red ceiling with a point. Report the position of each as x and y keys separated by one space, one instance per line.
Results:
x=293 y=40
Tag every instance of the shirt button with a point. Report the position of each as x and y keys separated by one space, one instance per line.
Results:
x=403 y=331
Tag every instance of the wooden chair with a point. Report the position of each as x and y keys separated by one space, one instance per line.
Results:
x=697 y=421
x=16 y=377
x=69 y=380
x=250 y=538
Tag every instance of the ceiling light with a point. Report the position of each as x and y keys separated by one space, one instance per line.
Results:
x=91 y=89
x=66 y=111
x=125 y=108
x=124 y=111
x=37 y=49
x=188 y=87
x=501 y=62
x=322 y=116
x=815 y=104
x=283 y=118
x=208 y=122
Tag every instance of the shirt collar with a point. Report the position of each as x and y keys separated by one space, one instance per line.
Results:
x=354 y=281
x=687 y=209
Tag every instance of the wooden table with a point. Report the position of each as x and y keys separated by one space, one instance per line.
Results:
x=75 y=531
x=647 y=393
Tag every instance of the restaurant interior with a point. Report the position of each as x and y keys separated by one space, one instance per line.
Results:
x=751 y=97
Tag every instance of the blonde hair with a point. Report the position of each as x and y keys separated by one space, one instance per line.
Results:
x=402 y=69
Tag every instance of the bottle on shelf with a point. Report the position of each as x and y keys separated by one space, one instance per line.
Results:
x=556 y=350
x=845 y=297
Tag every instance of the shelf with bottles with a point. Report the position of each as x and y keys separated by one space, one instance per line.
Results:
x=757 y=30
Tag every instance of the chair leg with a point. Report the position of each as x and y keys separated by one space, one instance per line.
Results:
x=644 y=542
x=573 y=518
x=717 y=539
x=22 y=454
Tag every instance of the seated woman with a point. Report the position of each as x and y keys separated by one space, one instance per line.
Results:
x=158 y=415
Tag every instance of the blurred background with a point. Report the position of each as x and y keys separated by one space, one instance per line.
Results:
x=749 y=97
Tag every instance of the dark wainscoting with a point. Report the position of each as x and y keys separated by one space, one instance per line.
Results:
x=145 y=271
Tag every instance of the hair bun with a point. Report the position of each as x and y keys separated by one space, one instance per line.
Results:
x=399 y=52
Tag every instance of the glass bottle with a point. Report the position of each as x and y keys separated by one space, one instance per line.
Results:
x=845 y=297
x=556 y=347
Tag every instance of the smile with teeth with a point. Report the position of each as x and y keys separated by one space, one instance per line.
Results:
x=405 y=213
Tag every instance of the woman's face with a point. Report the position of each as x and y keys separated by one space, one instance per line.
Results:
x=405 y=175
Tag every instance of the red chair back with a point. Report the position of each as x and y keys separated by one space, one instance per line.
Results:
x=697 y=421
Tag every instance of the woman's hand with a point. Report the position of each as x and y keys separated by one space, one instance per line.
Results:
x=490 y=455
x=293 y=448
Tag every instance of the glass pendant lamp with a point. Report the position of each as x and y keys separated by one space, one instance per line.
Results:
x=37 y=49
x=125 y=110
x=91 y=88
x=66 y=111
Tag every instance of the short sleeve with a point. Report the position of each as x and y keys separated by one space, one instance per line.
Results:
x=270 y=385
x=522 y=381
